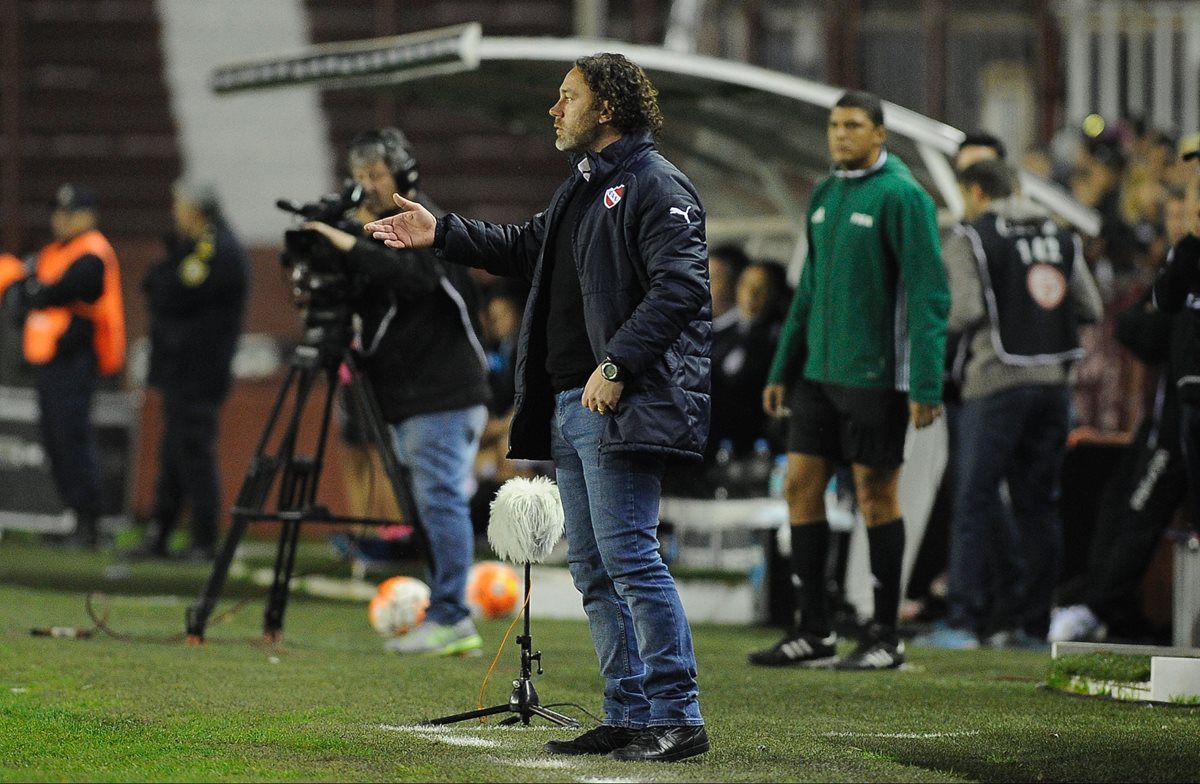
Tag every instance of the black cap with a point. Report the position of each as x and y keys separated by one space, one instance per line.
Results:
x=74 y=197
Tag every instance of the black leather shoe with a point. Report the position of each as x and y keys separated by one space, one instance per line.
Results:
x=599 y=740
x=664 y=744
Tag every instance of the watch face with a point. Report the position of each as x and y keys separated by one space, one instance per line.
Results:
x=609 y=371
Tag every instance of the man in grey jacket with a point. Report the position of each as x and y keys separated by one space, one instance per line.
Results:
x=1019 y=287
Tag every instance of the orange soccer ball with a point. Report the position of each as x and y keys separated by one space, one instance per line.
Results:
x=492 y=589
x=398 y=605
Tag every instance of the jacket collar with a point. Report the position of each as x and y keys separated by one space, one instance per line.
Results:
x=852 y=174
x=598 y=165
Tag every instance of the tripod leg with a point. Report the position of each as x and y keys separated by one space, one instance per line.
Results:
x=298 y=487
x=277 y=597
x=297 y=494
x=554 y=716
x=198 y=612
x=475 y=714
x=256 y=485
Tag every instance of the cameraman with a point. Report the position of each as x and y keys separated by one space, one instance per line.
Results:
x=418 y=348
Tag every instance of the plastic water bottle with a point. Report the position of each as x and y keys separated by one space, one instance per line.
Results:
x=758 y=473
x=778 y=475
x=724 y=462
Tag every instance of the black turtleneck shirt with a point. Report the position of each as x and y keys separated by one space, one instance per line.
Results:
x=569 y=359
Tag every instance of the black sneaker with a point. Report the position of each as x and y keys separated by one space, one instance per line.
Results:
x=664 y=744
x=875 y=651
x=804 y=650
x=598 y=740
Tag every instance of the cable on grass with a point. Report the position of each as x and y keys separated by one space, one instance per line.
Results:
x=100 y=623
x=582 y=709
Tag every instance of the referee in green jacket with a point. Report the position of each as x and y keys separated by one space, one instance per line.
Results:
x=861 y=351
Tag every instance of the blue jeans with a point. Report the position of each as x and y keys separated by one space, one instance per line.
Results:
x=638 y=626
x=439 y=450
x=1018 y=435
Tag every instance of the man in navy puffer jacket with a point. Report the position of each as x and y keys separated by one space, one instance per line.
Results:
x=612 y=379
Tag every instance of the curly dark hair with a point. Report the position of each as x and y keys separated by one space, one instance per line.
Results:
x=633 y=99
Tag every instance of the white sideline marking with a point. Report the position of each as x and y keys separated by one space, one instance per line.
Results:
x=903 y=735
x=450 y=736
x=160 y=600
x=464 y=727
x=534 y=763
x=463 y=740
x=444 y=735
x=508 y=728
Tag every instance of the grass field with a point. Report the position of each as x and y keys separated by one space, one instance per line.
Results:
x=329 y=705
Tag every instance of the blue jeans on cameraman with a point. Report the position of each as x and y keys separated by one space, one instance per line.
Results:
x=439 y=450
x=638 y=626
x=1018 y=435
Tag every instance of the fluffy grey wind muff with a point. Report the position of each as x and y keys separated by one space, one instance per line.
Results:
x=526 y=520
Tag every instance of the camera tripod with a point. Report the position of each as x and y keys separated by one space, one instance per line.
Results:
x=523 y=702
x=299 y=476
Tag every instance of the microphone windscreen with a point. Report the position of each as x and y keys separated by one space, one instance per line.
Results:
x=526 y=520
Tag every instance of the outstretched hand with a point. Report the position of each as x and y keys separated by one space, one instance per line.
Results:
x=412 y=227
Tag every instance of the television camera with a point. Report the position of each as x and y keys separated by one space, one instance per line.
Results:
x=323 y=287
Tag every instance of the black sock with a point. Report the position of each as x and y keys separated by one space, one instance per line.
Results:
x=886 y=543
x=810 y=543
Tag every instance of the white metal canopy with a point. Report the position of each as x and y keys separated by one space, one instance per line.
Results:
x=751 y=139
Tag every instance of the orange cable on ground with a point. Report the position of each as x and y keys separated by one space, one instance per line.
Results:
x=500 y=650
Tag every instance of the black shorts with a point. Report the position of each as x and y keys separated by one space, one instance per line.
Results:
x=848 y=424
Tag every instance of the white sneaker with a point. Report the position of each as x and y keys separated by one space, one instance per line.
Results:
x=437 y=639
x=1075 y=623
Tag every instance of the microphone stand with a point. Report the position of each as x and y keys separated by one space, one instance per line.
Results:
x=523 y=702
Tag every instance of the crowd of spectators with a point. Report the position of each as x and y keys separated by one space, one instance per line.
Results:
x=1128 y=172
x=1133 y=176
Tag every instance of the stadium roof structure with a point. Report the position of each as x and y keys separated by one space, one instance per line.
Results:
x=752 y=140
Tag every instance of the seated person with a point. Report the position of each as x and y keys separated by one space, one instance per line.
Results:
x=741 y=357
x=500 y=322
x=725 y=266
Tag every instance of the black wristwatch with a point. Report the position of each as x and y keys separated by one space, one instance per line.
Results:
x=611 y=370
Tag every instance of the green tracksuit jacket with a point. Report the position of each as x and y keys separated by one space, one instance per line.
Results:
x=872 y=304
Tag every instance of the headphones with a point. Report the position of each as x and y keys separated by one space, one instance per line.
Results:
x=392 y=147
